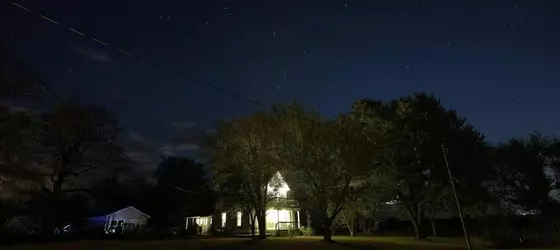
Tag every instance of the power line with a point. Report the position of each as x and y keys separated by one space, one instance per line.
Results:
x=150 y=61
x=140 y=58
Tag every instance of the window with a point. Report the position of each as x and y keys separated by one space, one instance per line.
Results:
x=224 y=217
x=239 y=216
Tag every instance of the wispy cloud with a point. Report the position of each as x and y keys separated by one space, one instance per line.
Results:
x=92 y=54
x=139 y=138
x=211 y=131
x=177 y=150
x=147 y=152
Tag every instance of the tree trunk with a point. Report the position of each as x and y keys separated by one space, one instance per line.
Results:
x=252 y=225
x=416 y=219
x=327 y=233
x=308 y=218
x=376 y=225
x=350 y=223
x=416 y=229
x=351 y=231
x=49 y=219
x=262 y=223
x=433 y=222
x=434 y=231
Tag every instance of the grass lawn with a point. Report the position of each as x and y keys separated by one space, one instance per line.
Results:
x=378 y=243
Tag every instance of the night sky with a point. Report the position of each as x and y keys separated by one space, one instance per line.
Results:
x=495 y=62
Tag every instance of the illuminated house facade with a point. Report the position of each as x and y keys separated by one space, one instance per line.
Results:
x=282 y=214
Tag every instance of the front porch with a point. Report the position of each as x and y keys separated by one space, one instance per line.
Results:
x=281 y=220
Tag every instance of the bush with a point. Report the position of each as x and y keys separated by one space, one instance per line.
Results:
x=517 y=232
x=294 y=232
x=307 y=231
x=192 y=230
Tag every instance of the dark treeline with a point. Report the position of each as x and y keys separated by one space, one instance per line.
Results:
x=385 y=156
x=64 y=162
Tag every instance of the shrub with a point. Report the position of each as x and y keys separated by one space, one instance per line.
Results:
x=294 y=232
x=307 y=231
x=192 y=230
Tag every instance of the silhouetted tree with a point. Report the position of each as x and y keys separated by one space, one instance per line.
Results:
x=528 y=173
x=18 y=133
x=79 y=142
x=336 y=157
x=182 y=187
x=244 y=161
x=420 y=126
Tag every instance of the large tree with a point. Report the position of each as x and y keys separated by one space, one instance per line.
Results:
x=79 y=143
x=420 y=126
x=335 y=156
x=182 y=188
x=18 y=132
x=528 y=173
x=244 y=160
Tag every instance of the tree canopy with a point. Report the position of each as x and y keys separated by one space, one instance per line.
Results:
x=244 y=160
x=420 y=126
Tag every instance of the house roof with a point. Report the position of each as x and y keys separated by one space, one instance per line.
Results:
x=130 y=207
x=294 y=179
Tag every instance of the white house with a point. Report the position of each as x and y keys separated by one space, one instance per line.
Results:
x=282 y=213
x=126 y=220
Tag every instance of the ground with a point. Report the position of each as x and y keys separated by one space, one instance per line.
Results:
x=347 y=243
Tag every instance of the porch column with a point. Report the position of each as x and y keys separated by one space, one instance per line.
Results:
x=298 y=220
x=107 y=221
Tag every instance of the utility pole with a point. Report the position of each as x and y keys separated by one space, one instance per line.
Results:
x=456 y=198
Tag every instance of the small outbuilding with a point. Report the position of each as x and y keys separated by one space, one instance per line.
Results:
x=124 y=221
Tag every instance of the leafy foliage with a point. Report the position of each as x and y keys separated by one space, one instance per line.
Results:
x=528 y=170
x=78 y=144
x=420 y=126
x=244 y=160
x=18 y=151
x=182 y=188
x=334 y=156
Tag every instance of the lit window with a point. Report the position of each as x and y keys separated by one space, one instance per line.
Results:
x=239 y=216
x=224 y=219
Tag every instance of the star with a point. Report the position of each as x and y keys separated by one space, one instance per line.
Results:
x=407 y=66
x=278 y=87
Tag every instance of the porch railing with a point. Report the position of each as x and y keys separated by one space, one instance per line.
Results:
x=286 y=225
x=283 y=202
